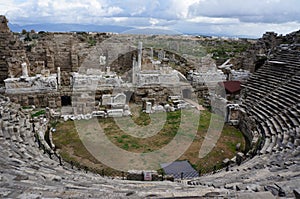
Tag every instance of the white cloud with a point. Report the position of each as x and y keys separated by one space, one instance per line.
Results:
x=277 y=11
x=153 y=21
x=215 y=16
x=60 y=10
x=181 y=8
x=213 y=20
x=253 y=30
x=119 y=19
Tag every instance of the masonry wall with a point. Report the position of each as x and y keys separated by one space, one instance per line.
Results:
x=12 y=53
x=51 y=100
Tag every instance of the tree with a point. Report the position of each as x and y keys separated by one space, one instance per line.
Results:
x=28 y=37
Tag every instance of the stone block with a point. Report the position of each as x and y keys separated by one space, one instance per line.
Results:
x=52 y=104
x=120 y=98
x=106 y=100
x=115 y=113
x=297 y=193
x=256 y=195
x=148 y=107
x=58 y=103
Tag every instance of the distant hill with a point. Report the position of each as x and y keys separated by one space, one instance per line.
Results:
x=91 y=28
x=153 y=31
x=63 y=27
x=222 y=35
x=69 y=28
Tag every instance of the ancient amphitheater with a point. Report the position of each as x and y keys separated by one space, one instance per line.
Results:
x=270 y=120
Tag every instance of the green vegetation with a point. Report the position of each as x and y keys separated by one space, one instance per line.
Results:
x=197 y=47
x=23 y=32
x=28 y=37
x=38 y=113
x=31 y=45
x=71 y=148
x=92 y=41
x=227 y=49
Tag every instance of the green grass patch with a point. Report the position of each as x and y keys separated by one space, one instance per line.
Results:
x=38 y=113
x=71 y=147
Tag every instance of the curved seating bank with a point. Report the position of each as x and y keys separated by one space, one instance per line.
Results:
x=270 y=119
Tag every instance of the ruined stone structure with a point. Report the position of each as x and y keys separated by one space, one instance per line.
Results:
x=80 y=62
x=209 y=78
x=28 y=172
x=271 y=99
x=157 y=83
x=240 y=75
x=12 y=55
x=48 y=53
x=269 y=120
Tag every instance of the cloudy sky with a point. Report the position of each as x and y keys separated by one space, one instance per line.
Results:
x=231 y=17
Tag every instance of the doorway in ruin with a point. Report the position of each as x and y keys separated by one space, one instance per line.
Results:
x=129 y=96
x=66 y=100
x=259 y=63
x=31 y=101
x=187 y=93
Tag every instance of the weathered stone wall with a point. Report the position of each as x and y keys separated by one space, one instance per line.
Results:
x=65 y=50
x=4 y=52
x=83 y=103
x=12 y=53
x=247 y=127
x=257 y=54
x=78 y=51
x=160 y=93
x=51 y=100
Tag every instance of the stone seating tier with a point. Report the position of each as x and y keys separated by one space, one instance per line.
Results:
x=272 y=100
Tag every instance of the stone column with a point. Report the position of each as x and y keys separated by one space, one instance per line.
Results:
x=107 y=69
x=140 y=52
x=102 y=60
x=151 y=53
x=24 y=69
x=58 y=77
x=134 y=71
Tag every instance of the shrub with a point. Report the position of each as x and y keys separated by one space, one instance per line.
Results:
x=36 y=114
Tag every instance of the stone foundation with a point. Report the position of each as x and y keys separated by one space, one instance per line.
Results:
x=51 y=100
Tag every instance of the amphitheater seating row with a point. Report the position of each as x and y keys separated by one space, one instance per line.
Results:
x=26 y=171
